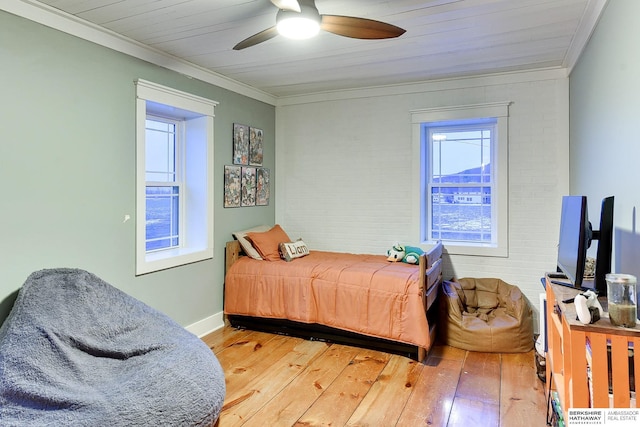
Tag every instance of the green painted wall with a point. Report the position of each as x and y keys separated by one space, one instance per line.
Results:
x=605 y=142
x=67 y=165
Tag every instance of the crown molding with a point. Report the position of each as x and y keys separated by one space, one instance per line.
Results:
x=452 y=83
x=588 y=22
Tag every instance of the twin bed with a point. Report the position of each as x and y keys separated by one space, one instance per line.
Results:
x=361 y=300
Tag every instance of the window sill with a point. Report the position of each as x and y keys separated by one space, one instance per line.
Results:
x=170 y=258
x=471 y=249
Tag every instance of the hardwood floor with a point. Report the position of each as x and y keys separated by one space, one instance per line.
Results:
x=274 y=380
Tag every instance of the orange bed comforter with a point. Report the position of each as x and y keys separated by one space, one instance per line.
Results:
x=358 y=293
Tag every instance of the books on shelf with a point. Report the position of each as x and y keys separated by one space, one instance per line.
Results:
x=557 y=417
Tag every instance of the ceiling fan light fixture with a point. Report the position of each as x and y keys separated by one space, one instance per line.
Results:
x=298 y=26
x=300 y=19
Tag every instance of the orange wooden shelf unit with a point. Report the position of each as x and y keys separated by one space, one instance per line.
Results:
x=590 y=366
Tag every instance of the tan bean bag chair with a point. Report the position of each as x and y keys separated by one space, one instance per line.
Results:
x=486 y=315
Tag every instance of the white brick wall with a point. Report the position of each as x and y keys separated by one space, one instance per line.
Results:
x=343 y=163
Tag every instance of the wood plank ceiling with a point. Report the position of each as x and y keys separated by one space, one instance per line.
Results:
x=444 y=38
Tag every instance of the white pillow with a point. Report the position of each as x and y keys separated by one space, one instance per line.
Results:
x=246 y=245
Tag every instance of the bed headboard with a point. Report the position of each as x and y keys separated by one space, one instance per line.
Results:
x=431 y=260
x=233 y=252
x=431 y=273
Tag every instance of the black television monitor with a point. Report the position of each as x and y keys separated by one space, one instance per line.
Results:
x=576 y=235
x=604 y=236
x=574 y=239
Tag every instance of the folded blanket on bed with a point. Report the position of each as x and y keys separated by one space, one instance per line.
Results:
x=77 y=351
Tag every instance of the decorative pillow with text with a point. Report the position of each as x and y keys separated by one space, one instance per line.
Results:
x=293 y=250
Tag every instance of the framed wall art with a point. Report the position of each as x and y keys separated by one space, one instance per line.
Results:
x=232 y=186
x=256 y=137
x=240 y=144
x=248 y=196
x=263 y=188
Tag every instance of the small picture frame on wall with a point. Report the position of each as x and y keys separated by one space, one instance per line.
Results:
x=232 y=186
x=263 y=187
x=248 y=197
x=240 y=144
x=256 y=139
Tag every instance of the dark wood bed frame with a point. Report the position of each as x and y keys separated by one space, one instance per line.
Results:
x=431 y=278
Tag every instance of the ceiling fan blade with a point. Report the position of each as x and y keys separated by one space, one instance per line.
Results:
x=260 y=37
x=359 y=28
x=287 y=5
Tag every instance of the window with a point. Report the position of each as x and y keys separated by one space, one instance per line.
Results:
x=462 y=178
x=459 y=181
x=163 y=145
x=174 y=178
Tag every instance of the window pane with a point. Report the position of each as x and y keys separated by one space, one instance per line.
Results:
x=460 y=154
x=162 y=225
x=461 y=216
x=160 y=146
x=159 y=125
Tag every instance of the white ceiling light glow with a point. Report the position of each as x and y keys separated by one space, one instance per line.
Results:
x=299 y=26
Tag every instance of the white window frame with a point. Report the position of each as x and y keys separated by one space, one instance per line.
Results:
x=420 y=198
x=196 y=242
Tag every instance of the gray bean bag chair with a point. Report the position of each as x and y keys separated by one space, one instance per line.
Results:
x=75 y=351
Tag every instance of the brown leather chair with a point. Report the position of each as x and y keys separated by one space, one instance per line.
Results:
x=487 y=315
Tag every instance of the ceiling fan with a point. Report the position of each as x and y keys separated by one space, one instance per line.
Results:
x=303 y=16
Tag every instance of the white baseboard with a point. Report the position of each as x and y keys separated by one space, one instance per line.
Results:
x=206 y=325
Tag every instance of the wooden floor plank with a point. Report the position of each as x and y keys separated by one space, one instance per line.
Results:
x=250 y=345
x=433 y=395
x=223 y=337
x=440 y=351
x=477 y=399
x=398 y=379
x=274 y=380
x=342 y=397
x=271 y=381
x=480 y=378
x=292 y=402
x=243 y=363
x=521 y=391
x=467 y=412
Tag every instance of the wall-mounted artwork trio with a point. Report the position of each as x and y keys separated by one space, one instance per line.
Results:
x=246 y=182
